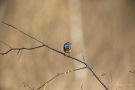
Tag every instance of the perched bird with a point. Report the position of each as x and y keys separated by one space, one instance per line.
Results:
x=67 y=47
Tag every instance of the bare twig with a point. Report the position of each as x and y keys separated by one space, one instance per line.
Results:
x=18 y=52
x=53 y=50
x=132 y=72
x=21 y=49
x=20 y=55
x=83 y=58
x=82 y=87
x=28 y=86
x=92 y=67
x=5 y=44
x=110 y=81
x=23 y=32
x=59 y=75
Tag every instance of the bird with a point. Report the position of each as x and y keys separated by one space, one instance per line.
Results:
x=67 y=47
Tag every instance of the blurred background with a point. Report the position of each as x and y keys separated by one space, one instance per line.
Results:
x=101 y=30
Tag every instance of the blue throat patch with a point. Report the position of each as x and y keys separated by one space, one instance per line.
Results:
x=67 y=46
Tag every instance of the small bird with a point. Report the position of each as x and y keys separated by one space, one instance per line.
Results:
x=67 y=47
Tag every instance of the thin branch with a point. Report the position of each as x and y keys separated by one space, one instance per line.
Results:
x=92 y=67
x=83 y=58
x=110 y=77
x=20 y=55
x=28 y=86
x=23 y=32
x=18 y=52
x=59 y=75
x=55 y=51
x=132 y=72
x=82 y=87
x=19 y=49
x=5 y=44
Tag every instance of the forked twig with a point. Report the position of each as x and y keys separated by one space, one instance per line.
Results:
x=53 y=50
x=53 y=78
x=19 y=49
x=59 y=75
